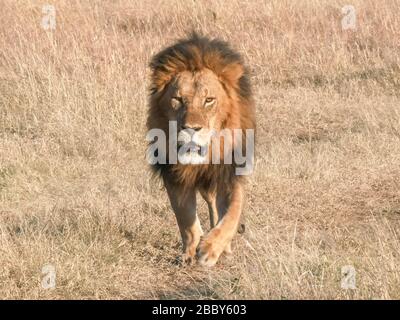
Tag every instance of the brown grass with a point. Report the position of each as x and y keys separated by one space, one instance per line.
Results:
x=76 y=192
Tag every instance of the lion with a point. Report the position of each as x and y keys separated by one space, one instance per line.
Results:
x=202 y=85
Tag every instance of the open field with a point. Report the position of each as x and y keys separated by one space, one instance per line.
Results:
x=76 y=191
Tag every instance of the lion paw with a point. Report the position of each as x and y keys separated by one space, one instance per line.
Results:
x=209 y=250
x=186 y=259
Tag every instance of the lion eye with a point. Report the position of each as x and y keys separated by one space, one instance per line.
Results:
x=210 y=100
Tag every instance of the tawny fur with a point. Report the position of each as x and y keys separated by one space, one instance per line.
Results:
x=195 y=54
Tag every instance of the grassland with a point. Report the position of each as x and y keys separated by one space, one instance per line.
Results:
x=76 y=191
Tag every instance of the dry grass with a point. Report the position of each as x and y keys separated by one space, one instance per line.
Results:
x=75 y=190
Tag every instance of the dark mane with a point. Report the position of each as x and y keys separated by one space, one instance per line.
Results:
x=196 y=53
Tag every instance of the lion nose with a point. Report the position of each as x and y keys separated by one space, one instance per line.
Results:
x=193 y=127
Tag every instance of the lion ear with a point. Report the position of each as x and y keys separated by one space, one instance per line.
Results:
x=232 y=73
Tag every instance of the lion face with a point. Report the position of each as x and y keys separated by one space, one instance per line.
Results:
x=195 y=100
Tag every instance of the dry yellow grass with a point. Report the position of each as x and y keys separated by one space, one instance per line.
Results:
x=76 y=192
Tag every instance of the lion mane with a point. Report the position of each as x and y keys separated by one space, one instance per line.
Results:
x=194 y=54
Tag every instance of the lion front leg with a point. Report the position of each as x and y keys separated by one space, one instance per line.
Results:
x=184 y=206
x=219 y=238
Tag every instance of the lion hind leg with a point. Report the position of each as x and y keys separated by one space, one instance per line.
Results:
x=210 y=196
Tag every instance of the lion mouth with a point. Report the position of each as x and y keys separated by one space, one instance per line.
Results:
x=193 y=148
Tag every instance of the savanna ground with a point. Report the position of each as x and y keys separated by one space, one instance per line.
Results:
x=76 y=191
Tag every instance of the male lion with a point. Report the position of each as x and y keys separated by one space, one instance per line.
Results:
x=203 y=86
